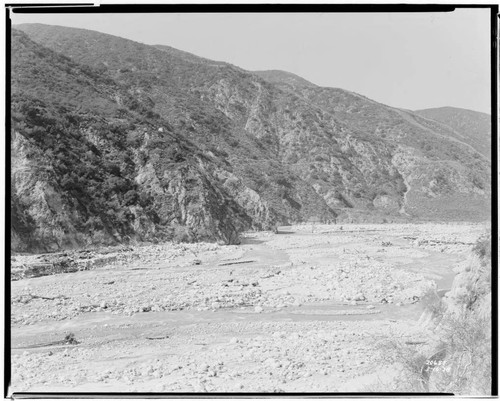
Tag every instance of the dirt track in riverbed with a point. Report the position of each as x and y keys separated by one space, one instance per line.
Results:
x=303 y=310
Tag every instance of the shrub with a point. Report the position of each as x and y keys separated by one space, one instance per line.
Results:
x=462 y=351
x=410 y=361
x=459 y=364
x=482 y=247
x=467 y=337
x=433 y=303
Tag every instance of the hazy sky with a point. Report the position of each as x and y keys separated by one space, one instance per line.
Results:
x=412 y=61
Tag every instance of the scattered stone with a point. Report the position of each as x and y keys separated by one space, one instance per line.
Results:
x=280 y=348
x=359 y=297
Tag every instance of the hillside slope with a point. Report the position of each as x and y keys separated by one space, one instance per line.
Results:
x=213 y=148
x=92 y=164
x=475 y=127
x=444 y=175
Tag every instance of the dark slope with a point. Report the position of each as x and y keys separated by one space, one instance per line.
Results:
x=95 y=147
x=277 y=150
x=93 y=164
x=473 y=126
x=222 y=105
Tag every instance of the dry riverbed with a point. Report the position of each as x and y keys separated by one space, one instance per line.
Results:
x=305 y=310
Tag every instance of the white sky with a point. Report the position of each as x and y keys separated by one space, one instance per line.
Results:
x=412 y=61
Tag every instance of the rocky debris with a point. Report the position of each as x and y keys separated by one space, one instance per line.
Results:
x=166 y=290
x=331 y=275
x=351 y=279
x=331 y=266
x=29 y=266
x=446 y=239
x=359 y=297
x=26 y=298
x=279 y=356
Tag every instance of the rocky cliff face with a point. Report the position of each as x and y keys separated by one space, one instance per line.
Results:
x=116 y=141
x=83 y=176
x=426 y=168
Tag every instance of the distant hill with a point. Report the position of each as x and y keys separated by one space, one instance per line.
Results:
x=117 y=141
x=473 y=125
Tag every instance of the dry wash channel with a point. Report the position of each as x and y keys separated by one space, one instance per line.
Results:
x=297 y=311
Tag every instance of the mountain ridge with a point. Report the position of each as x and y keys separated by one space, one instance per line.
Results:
x=276 y=153
x=452 y=108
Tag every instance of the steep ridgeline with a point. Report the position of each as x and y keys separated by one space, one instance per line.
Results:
x=473 y=127
x=446 y=174
x=93 y=164
x=114 y=140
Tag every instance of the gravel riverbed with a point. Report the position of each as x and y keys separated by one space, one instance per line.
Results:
x=303 y=310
